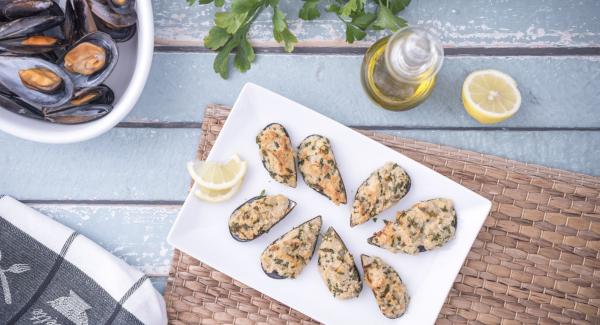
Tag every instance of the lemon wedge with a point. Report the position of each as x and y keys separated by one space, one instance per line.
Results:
x=216 y=195
x=490 y=96
x=216 y=176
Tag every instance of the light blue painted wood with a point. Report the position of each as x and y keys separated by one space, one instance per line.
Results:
x=149 y=164
x=557 y=91
x=159 y=282
x=461 y=23
x=124 y=164
x=135 y=233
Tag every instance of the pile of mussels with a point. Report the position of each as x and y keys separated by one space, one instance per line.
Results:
x=53 y=62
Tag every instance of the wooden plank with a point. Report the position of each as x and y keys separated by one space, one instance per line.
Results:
x=557 y=91
x=135 y=233
x=159 y=282
x=149 y=164
x=124 y=164
x=461 y=23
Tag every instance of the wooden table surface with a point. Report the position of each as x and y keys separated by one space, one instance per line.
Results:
x=123 y=189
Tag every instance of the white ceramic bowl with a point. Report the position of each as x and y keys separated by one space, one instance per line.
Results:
x=127 y=81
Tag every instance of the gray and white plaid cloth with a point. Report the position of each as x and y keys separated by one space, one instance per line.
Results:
x=51 y=275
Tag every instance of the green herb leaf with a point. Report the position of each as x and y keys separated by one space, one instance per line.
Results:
x=288 y=39
x=281 y=33
x=219 y=3
x=221 y=63
x=230 y=21
x=191 y=2
x=244 y=56
x=309 y=10
x=363 y=21
x=333 y=8
x=243 y=6
x=354 y=33
x=387 y=20
x=216 y=38
x=397 y=5
x=352 y=6
x=279 y=23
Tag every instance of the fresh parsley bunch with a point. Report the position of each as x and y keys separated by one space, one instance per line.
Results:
x=231 y=27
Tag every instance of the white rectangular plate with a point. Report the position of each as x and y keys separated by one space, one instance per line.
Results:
x=201 y=228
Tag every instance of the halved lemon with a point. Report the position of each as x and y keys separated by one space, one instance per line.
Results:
x=216 y=195
x=490 y=96
x=217 y=176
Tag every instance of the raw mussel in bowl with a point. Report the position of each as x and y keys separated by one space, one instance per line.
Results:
x=35 y=81
x=91 y=59
x=115 y=17
x=14 y=9
x=56 y=55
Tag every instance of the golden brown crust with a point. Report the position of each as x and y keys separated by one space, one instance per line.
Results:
x=389 y=290
x=319 y=169
x=337 y=267
x=383 y=188
x=287 y=256
x=425 y=226
x=277 y=154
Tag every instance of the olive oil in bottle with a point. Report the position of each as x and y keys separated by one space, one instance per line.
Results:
x=399 y=71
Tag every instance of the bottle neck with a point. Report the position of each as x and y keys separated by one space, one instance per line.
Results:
x=413 y=55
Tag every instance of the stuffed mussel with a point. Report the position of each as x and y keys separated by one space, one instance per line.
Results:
x=319 y=169
x=426 y=225
x=337 y=267
x=277 y=154
x=383 y=188
x=389 y=290
x=54 y=59
x=258 y=215
x=287 y=256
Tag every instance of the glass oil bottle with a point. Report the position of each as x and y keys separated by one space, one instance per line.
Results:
x=399 y=71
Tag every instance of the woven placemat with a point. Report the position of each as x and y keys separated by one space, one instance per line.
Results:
x=536 y=259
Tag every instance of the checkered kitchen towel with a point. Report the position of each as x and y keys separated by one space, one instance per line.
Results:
x=51 y=275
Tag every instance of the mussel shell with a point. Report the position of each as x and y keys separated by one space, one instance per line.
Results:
x=17 y=106
x=79 y=114
x=14 y=9
x=274 y=274
x=126 y=8
x=103 y=11
x=84 y=19
x=291 y=206
x=120 y=35
x=68 y=27
x=102 y=95
x=9 y=78
x=29 y=25
x=112 y=56
x=15 y=45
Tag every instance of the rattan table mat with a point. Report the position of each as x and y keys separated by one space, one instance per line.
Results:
x=536 y=259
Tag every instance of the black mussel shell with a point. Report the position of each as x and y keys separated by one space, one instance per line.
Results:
x=125 y=7
x=13 y=9
x=291 y=206
x=104 y=41
x=68 y=27
x=120 y=35
x=79 y=114
x=101 y=94
x=29 y=45
x=115 y=20
x=84 y=19
x=17 y=106
x=10 y=66
x=29 y=25
x=274 y=274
